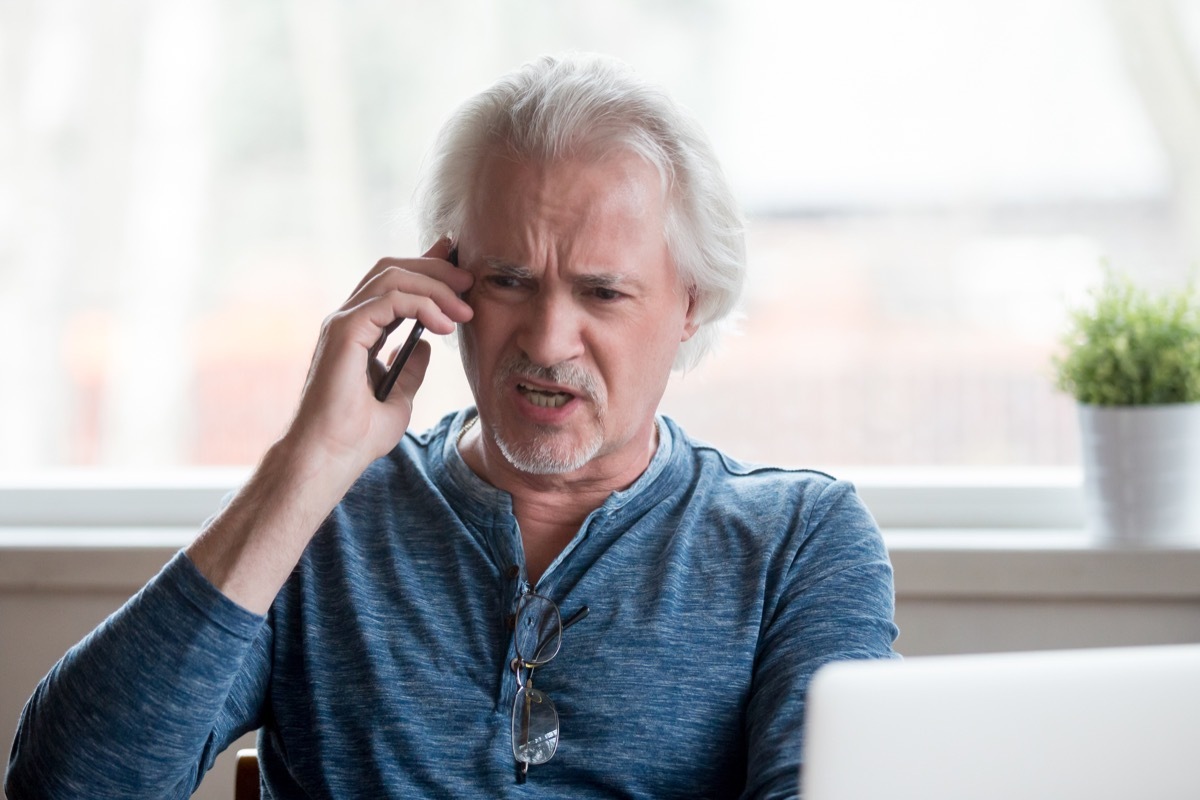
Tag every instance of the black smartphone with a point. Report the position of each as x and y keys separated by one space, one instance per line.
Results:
x=384 y=387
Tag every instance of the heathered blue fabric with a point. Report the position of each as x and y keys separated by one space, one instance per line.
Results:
x=382 y=670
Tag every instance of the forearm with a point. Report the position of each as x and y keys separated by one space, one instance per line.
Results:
x=141 y=706
x=138 y=708
x=251 y=547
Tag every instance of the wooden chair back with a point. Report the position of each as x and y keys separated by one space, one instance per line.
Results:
x=245 y=780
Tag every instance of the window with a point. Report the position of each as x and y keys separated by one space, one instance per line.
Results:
x=187 y=187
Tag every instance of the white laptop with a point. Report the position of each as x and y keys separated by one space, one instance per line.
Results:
x=1063 y=725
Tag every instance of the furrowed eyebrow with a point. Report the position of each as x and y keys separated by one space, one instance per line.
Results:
x=508 y=269
x=608 y=280
x=599 y=281
x=592 y=280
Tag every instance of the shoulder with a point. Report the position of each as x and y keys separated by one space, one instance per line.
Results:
x=726 y=476
x=801 y=514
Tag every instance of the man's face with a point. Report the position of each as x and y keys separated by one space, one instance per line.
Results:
x=578 y=312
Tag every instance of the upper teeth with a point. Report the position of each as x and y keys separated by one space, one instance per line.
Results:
x=545 y=399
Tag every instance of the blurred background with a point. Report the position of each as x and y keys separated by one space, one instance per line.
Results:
x=187 y=188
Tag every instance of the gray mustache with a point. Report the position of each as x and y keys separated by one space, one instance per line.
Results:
x=578 y=379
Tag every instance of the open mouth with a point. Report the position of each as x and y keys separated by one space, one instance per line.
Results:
x=544 y=399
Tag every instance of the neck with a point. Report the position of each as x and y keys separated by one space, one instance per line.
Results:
x=587 y=487
x=551 y=508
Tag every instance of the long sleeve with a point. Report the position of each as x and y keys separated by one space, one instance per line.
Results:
x=143 y=705
x=837 y=604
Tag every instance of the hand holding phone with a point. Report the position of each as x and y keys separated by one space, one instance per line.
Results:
x=388 y=380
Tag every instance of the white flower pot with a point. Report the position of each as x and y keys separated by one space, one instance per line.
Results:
x=1141 y=473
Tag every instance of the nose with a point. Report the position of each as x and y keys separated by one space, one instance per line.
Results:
x=552 y=331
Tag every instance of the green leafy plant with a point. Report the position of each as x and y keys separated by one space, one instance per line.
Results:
x=1133 y=348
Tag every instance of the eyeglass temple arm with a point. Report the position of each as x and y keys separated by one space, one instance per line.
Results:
x=523 y=766
x=566 y=623
x=578 y=615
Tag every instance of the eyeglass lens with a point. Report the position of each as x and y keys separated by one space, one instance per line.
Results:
x=534 y=726
x=538 y=630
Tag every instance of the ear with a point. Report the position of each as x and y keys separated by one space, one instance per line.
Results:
x=690 y=323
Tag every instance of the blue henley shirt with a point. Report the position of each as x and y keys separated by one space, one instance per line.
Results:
x=382 y=670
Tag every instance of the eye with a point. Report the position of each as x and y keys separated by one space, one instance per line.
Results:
x=504 y=281
x=605 y=294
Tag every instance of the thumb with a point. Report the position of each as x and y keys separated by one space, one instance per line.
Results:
x=413 y=374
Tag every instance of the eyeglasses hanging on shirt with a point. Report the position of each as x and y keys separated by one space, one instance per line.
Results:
x=537 y=638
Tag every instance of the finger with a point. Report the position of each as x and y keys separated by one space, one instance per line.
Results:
x=441 y=269
x=412 y=296
x=439 y=252
x=416 y=278
x=410 y=378
x=417 y=285
x=366 y=323
x=413 y=374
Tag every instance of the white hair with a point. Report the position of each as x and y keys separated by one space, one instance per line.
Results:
x=585 y=105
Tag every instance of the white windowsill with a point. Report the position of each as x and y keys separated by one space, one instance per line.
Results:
x=952 y=533
x=929 y=564
x=1042 y=564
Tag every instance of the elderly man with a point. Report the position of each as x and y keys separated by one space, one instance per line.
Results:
x=554 y=593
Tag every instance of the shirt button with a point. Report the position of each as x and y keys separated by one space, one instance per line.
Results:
x=513 y=572
x=511 y=622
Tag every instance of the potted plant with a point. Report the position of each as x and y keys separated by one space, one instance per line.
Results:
x=1132 y=361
